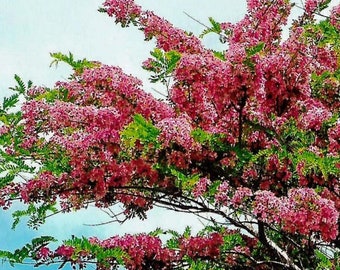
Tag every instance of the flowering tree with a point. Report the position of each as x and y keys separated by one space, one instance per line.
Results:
x=249 y=136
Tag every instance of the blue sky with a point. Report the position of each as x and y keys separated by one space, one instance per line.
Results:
x=31 y=29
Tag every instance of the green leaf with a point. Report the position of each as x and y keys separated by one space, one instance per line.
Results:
x=10 y=102
x=214 y=141
x=77 y=65
x=215 y=28
x=219 y=55
x=187 y=232
x=158 y=231
x=36 y=214
x=323 y=5
x=140 y=130
x=21 y=87
x=323 y=262
x=5 y=180
x=163 y=64
x=231 y=241
x=183 y=181
x=255 y=49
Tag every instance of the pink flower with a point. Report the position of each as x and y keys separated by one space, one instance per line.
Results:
x=177 y=130
x=201 y=187
x=315 y=115
x=124 y=11
x=64 y=251
x=43 y=253
x=4 y=130
x=335 y=17
x=240 y=196
x=312 y=6
x=205 y=246
x=221 y=195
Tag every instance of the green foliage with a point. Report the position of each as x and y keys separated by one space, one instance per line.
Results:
x=21 y=88
x=142 y=131
x=198 y=265
x=51 y=95
x=324 y=33
x=12 y=101
x=102 y=255
x=26 y=252
x=158 y=231
x=244 y=156
x=12 y=156
x=162 y=65
x=77 y=65
x=212 y=190
x=294 y=138
x=314 y=163
x=55 y=162
x=173 y=242
x=322 y=85
x=296 y=143
x=187 y=232
x=10 y=167
x=37 y=214
x=323 y=5
x=215 y=28
x=213 y=141
x=219 y=55
x=251 y=51
x=183 y=181
x=230 y=241
x=323 y=262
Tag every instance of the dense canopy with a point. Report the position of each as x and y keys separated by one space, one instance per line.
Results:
x=248 y=137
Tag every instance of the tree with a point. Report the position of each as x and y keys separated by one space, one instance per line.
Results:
x=249 y=136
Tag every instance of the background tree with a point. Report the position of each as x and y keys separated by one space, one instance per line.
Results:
x=249 y=136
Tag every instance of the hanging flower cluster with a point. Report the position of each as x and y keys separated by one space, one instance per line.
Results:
x=249 y=136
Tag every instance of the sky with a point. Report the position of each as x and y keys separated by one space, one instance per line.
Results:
x=31 y=29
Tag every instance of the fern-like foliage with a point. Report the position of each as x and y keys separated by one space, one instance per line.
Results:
x=77 y=65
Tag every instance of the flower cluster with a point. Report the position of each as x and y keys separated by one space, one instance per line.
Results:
x=123 y=11
x=312 y=6
x=143 y=250
x=240 y=196
x=176 y=130
x=303 y=211
x=221 y=196
x=258 y=124
x=201 y=187
x=315 y=115
x=335 y=17
x=202 y=247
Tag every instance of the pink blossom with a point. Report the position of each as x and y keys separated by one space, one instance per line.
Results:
x=64 y=251
x=44 y=253
x=206 y=247
x=201 y=187
x=240 y=196
x=335 y=17
x=176 y=130
x=316 y=113
x=222 y=196
x=124 y=11
x=312 y=6
x=4 y=130
x=303 y=211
